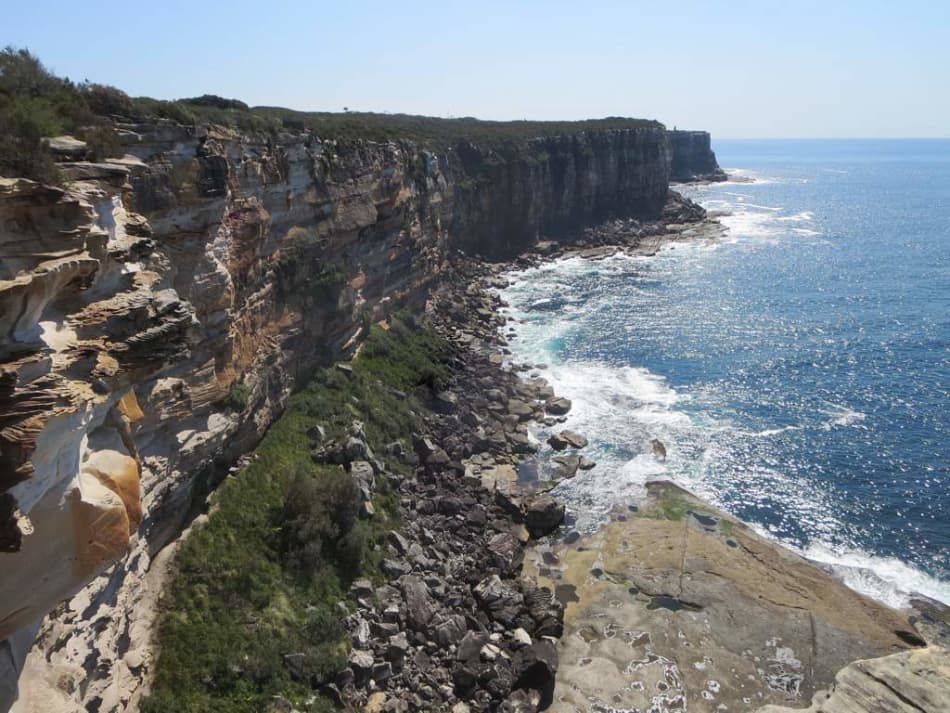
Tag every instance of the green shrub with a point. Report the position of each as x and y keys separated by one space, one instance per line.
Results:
x=318 y=515
x=238 y=396
x=265 y=575
x=35 y=104
x=102 y=140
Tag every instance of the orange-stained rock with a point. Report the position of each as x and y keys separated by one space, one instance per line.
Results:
x=80 y=527
x=129 y=407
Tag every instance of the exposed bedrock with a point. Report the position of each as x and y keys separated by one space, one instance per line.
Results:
x=157 y=311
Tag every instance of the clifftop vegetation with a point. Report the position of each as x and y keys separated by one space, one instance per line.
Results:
x=36 y=104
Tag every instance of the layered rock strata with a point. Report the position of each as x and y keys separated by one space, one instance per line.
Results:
x=158 y=310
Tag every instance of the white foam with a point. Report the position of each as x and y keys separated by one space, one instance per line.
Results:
x=886 y=579
x=805 y=215
x=841 y=416
x=739 y=176
x=620 y=408
x=775 y=431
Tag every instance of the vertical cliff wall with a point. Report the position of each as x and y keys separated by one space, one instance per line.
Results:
x=157 y=311
x=692 y=157
x=555 y=186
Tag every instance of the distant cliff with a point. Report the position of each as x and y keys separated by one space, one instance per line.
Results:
x=692 y=157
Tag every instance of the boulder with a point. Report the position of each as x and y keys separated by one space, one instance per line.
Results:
x=399 y=543
x=535 y=666
x=557 y=406
x=542 y=515
x=470 y=645
x=419 y=605
x=450 y=630
x=362 y=473
x=506 y=552
x=567 y=438
x=361 y=664
x=495 y=594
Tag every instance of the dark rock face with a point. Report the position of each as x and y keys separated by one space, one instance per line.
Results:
x=692 y=157
x=557 y=186
x=543 y=515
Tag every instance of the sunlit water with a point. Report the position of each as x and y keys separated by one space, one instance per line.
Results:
x=797 y=370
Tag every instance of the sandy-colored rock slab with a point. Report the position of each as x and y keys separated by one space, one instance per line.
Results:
x=915 y=681
x=676 y=607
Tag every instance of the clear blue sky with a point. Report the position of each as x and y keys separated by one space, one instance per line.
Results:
x=737 y=68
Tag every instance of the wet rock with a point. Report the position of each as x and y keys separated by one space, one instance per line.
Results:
x=557 y=406
x=520 y=409
x=567 y=438
x=543 y=514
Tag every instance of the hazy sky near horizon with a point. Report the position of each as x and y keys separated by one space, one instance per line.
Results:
x=740 y=69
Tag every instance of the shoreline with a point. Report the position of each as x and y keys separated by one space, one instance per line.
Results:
x=914 y=601
x=928 y=615
x=460 y=623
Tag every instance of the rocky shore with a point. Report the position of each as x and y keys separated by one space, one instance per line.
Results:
x=673 y=606
x=458 y=625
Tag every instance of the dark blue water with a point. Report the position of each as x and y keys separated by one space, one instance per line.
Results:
x=798 y=370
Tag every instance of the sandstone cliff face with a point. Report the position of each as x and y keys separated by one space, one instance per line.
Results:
x=692 y=157
x=158 y=311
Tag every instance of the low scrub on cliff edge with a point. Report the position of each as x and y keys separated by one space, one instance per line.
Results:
x=35 y=104
x=255 y=607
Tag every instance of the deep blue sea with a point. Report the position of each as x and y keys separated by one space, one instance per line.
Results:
x=797 y=369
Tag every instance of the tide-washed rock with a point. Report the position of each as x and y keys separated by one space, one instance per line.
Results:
x=567 y=438
x=542 y=515
x=557 y=406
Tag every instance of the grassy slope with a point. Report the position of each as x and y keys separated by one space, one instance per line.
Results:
x=236 y=606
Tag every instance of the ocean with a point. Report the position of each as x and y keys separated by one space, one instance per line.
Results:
x=797 y=369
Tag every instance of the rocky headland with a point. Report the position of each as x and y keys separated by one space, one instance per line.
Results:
x=160 y=312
